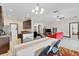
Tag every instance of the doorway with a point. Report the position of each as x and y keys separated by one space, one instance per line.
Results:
x=14 y=30
x=74 y=30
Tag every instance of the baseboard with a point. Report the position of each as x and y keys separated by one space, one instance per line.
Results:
x=67 y=36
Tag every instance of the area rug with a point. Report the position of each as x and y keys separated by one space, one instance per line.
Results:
x=65 y=52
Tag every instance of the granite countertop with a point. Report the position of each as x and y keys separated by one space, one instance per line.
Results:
x=4 y=36
x=4 y=39
x=26 y=32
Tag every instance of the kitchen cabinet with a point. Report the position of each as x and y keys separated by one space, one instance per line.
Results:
x=4 y=44
x=1 y=19
x=27 y=24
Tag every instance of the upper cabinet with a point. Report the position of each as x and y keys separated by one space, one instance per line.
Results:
x=27 y=24
x=1 y=19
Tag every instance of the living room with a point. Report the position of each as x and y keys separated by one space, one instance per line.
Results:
x=53 y=17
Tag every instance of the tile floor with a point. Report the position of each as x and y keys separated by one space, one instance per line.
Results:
x=67 y=42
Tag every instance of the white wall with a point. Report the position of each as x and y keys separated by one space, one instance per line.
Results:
x=63 y=25
x=8 y=20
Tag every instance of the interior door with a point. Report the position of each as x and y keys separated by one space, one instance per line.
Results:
x=74 y=30
x=14 y=30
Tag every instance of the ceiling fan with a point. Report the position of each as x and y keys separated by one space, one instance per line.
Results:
x=60 y=18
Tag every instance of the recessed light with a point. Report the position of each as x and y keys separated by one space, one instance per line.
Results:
x=9 y=15
x=10 y=9
x=58 y=19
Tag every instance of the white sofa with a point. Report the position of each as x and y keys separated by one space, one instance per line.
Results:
x=31 y=48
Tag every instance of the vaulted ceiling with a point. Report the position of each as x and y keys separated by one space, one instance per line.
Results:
x=24 y=10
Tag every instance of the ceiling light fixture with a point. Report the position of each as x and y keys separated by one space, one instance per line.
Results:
x=38 y=10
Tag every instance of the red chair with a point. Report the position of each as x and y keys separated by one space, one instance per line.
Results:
x=57 y=35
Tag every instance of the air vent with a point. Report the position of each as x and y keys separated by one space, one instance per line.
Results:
x=56 y=11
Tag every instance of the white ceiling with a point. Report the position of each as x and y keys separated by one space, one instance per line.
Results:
x=24 y=10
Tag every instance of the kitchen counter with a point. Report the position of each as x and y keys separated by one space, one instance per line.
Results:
x=4 y=36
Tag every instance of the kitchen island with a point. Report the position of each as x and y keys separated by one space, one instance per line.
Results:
x=4 y=44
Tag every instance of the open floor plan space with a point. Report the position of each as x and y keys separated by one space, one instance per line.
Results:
x=39 y=29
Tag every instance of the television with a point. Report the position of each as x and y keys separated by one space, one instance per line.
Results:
x=48 y=30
